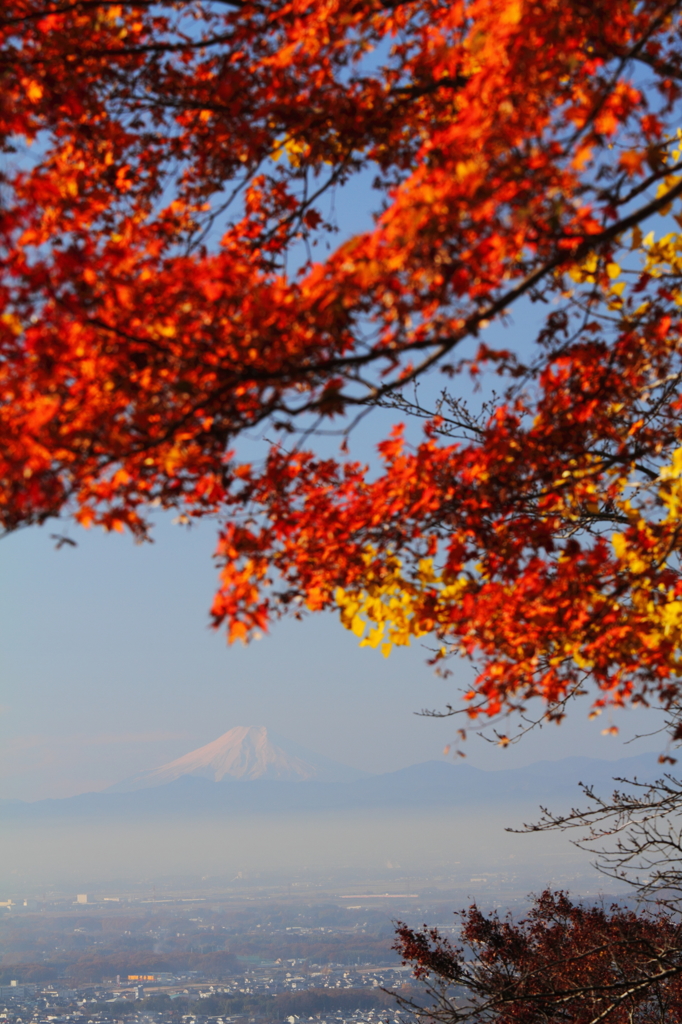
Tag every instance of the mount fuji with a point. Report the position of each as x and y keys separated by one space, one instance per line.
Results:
x=245 y=754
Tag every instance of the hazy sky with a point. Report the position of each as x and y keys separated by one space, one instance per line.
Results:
x=109 y=666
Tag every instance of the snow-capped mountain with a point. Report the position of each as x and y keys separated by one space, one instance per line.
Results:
x=245 y=753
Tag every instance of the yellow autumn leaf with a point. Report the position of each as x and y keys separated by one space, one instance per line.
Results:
x=357 y=625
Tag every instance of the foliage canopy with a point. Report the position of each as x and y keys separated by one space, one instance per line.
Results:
x=564 y=962
x=166 y=164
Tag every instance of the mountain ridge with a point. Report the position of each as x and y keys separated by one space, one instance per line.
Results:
x=427 y=786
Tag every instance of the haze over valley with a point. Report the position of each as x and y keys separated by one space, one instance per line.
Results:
x=253 y=806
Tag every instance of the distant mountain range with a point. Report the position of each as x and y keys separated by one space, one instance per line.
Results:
x=245 y=753
x=248 y=771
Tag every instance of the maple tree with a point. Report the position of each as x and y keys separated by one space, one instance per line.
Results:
x=563 y=962
x=169 y=281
